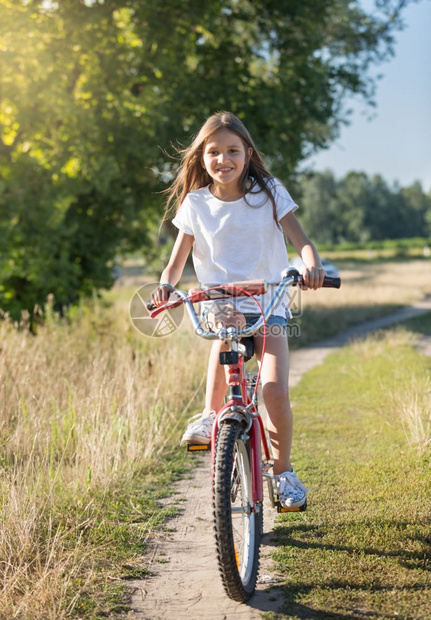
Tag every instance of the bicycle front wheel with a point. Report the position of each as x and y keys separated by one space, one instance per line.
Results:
x=238 y=523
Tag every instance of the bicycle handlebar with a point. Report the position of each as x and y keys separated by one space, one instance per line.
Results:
x=331 y=282
x=290 y=277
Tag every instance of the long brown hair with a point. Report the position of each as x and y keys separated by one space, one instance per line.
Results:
x=192 y=175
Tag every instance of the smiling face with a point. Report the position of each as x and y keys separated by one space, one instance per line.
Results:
x=225 y=158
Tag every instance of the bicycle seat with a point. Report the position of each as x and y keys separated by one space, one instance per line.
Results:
x=248 y=343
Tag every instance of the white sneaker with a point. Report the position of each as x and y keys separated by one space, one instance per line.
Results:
x=199 y=431
x=291 y=492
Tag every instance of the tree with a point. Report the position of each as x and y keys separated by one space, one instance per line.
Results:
x=318 y=211
x=359 y=209
x=382 y=217
x=352 y=198
x=415 y=205
x=93 y=92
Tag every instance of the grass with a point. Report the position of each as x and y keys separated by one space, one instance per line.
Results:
x=91 y=413
x=88 y=410
x=362 y=548
x=414 y=403
x=368 y=291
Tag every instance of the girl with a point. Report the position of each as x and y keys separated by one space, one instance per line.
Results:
x=233 y=214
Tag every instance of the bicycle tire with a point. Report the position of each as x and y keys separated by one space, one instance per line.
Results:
x=238 y=528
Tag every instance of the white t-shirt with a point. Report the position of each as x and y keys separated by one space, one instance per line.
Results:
x=238 y=240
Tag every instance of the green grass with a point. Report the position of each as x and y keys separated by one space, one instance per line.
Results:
x=362 y=548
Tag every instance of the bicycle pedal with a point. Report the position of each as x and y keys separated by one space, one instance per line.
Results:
x=198 y=447
x=283 y=509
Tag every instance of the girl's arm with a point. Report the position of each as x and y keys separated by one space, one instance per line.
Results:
x=314 y=272
x=174 y=269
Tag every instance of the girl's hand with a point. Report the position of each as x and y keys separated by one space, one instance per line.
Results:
x=161 y=294
x=312 y=277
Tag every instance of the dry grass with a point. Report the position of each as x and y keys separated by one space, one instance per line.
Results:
x=376 y=284
x=414 y=406
x=377 y=343
x=83 y=406
x=410 y=398
x=368 y=291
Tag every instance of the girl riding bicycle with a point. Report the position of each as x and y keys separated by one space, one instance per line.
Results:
x=234 y=215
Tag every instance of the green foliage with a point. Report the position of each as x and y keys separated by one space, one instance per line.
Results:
x=94 y=92
x=362 y=211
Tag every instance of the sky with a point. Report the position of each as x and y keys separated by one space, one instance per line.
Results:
x=396 y=143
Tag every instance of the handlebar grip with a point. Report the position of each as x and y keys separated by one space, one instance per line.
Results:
x=150 y=305
x=330 y=282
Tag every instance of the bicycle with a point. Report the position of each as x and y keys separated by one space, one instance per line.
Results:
x=240 y=454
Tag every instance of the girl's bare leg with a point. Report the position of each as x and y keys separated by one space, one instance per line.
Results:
x=275 y=389
x=216 y=379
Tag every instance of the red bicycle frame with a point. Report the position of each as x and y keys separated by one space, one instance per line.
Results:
x=257 y=431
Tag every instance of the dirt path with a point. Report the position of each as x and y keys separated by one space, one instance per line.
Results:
x=186 y=582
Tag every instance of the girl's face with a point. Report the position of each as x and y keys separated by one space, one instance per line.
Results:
x=224 y=158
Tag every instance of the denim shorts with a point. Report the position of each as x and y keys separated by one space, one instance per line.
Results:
x=275 y=325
